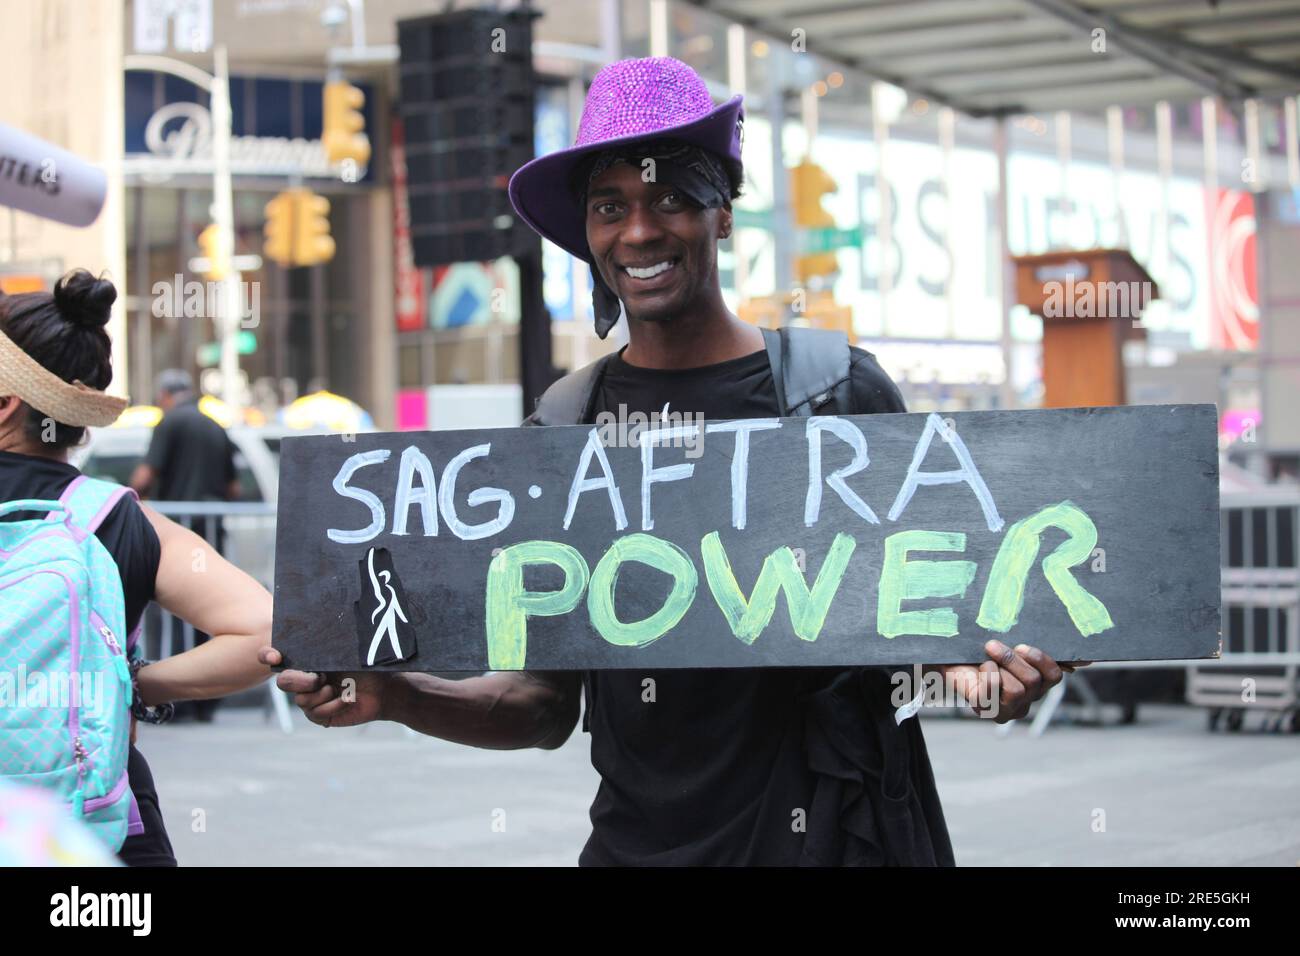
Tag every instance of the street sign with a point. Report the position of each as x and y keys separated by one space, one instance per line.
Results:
x=1091 y=533
x=812 y=241
x=191 y=19
x=209 y=353
x=753 y=219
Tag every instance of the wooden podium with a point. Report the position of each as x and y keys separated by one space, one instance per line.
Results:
x=1090 y=302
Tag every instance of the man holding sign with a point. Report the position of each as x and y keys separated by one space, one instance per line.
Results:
x=747 y=765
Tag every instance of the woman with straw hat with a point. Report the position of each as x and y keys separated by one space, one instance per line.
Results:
x=55 y=362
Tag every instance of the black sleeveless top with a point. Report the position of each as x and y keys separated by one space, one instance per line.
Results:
x=126 y=533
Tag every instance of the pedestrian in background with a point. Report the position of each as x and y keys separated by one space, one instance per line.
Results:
x=190 y=458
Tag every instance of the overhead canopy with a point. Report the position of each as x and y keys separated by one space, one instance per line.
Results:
x=990 y=57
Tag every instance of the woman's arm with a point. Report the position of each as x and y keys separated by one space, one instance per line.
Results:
x=201 y=587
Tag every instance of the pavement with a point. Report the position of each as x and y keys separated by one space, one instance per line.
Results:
x=1164 y=791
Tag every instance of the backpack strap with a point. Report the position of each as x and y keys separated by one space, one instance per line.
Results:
x=90 y=500
x=809 y=367
x=569 y=401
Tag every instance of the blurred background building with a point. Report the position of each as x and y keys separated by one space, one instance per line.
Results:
x=955 y=135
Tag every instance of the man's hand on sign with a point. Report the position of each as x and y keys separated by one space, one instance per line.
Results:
x=331 y=700
x=1010 y=681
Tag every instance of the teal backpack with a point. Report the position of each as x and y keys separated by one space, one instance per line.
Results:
x=65 y=686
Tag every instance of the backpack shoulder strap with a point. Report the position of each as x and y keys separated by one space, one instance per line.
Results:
x=90 y=500
x=568 y=401
x=808 y=366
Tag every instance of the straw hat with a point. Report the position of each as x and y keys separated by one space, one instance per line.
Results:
x=69 y=403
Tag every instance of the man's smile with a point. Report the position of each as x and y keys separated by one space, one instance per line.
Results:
x=649 y=275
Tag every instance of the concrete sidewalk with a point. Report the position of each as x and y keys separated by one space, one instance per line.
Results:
x=239 y=792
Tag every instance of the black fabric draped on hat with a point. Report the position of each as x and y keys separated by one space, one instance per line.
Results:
x=700 y=175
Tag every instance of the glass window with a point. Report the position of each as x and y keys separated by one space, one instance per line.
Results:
x=116 y=468
x=410 y=362
x=248 y=487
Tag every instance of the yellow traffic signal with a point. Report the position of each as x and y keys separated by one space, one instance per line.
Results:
x=343 y=133
x=823 y=313
x=808 y=184
x=279 y=229
x=312 y=243
x=298 y=229
x=766 y=312
x=217 y=251
x=815 y=264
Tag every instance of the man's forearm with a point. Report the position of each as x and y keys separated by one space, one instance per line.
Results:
x=498 y=711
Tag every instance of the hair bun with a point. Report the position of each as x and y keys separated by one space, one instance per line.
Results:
x=84 y=300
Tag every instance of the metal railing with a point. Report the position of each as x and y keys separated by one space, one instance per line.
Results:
x=244 y=534
x=1259 y=668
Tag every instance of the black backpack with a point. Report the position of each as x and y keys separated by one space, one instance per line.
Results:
x=809 y=366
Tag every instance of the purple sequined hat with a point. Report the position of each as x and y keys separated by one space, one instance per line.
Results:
x=628 y=100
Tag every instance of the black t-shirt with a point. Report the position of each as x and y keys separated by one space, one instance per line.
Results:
x=193 y=456
x=126 y=533
x=712 y=770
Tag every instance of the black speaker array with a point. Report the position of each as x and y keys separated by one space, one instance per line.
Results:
x=467 y=110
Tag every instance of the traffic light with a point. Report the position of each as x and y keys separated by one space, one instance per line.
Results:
x=217 y=251
x=312 y=243
x=279 y=229
x=298 y=229
x=808 y=184
x=343 y=134
x=815 y=264
x=767 y=312
x=823 y=313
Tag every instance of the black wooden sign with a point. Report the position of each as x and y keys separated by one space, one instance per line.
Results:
x=880 y=539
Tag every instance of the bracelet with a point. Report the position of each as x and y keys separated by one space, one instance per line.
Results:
x=158 y=714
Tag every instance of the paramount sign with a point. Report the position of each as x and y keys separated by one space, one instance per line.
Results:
x=276 y=128
x=179 y=140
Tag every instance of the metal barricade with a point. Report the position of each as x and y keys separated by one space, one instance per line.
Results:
x=1260 y=540
x=1259 y=669
x=244 y=534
